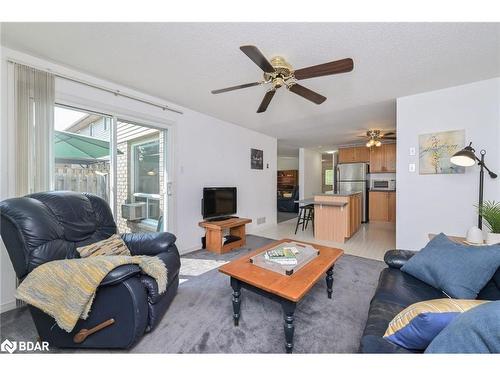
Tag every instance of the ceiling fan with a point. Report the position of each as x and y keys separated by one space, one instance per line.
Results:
x=278 y=72
x=375 y=137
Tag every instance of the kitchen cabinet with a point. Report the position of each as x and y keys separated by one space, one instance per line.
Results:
x=392 y=207
x=377 y=159
x=390 y=157
x=382 y=206
x=346 y=155
x=358 y=154
x=383 y=158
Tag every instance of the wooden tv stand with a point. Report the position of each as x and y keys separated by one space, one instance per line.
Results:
x=215 y=238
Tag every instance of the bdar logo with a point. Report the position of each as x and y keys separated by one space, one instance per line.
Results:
x=8 y=346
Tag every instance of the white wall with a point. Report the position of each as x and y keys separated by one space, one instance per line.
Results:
x=211 y=152
x=286 y=163
x=309 y=173
x=445 y=203
x=207 y=152
x=7 y=278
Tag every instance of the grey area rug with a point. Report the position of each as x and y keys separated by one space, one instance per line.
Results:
x=200 y=317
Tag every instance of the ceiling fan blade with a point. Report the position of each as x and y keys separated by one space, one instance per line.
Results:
x=265 y=102
x=307 y=94
x=389 y=137
x=389 y=133
x=244 y=86
x=257 y=57
x=334 y=67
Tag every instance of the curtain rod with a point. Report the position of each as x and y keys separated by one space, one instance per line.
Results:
x=99 y=87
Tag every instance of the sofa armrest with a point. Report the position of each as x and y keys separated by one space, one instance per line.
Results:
x=149 y=243
x=371 y=344
x=120 y=274
x=397 y=258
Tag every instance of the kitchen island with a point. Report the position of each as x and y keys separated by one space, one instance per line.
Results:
x=337 y=216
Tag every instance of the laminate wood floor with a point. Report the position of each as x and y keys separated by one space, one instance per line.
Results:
x=371 y=241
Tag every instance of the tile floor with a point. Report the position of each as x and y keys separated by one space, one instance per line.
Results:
x=371 y=241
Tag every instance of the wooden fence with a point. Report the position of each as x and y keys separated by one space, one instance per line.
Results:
x=92 y=178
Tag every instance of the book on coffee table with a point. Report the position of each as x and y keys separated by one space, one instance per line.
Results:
x=286 y=258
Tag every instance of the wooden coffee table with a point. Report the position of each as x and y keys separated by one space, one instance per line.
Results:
x=287 y=290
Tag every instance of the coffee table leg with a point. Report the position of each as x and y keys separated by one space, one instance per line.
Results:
x=329 y=282
x=236 y=285
x=288 y=311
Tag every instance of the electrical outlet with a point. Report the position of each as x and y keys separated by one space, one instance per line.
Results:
x=411 y=167
x=413 y=151
x=261 y=220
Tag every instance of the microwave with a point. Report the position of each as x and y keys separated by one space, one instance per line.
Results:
x=383 y=184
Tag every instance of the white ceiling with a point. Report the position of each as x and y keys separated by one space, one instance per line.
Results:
x=182 y=62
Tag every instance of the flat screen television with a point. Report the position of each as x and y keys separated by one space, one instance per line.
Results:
x=218 y=202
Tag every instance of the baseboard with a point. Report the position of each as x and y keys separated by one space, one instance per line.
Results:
x=255 y=229
x=189 y=250
x=7 y=306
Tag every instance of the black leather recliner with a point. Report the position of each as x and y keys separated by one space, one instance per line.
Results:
x=43 y=227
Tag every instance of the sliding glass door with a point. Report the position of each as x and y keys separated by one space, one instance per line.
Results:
x=124 y=162
x=82 y=151
x=141 y=177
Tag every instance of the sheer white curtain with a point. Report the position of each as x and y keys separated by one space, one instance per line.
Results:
x=34 y=118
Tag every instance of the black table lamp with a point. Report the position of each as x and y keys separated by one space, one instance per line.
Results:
x=467 y=158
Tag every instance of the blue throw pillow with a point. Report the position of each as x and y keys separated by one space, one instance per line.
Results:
x=417 y=325
x=460 y=271
x=474 y=331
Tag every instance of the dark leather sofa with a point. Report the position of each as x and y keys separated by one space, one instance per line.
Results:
x=397 y=290
x=49 y=226
x=288 y=204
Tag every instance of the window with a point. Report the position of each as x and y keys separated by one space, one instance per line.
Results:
x=146 y=162
x=145 y=176
x=329 y=177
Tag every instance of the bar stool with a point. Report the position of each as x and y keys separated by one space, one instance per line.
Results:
x=306 y=215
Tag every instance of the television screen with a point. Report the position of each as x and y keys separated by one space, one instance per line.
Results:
x=219 y=201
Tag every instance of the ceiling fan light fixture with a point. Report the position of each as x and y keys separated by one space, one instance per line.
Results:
x=370 y=143
x=378 y=143
x=278 y=72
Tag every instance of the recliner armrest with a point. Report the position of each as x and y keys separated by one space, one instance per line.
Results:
x=149 y=243
x=397 y=258
x=120 y=273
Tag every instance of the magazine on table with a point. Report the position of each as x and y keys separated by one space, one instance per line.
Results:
x=286 y=257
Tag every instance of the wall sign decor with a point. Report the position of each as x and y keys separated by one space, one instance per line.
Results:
x=436 y=149
x=256 y=159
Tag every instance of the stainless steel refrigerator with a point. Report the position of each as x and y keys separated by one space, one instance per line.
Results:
x=353 y=177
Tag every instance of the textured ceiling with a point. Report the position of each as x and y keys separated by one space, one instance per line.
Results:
x=182 y=62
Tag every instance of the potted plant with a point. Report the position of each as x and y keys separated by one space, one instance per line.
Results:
x=490 y=212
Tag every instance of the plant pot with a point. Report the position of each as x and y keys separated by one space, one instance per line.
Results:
x=492 y=238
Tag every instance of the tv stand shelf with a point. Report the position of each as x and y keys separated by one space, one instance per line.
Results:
x=215 y=236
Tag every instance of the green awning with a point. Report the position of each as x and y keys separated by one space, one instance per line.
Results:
x=77 y=148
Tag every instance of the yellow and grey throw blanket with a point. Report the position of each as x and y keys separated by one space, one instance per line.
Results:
x=65 y=289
